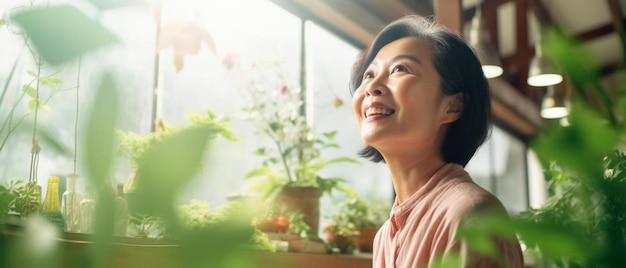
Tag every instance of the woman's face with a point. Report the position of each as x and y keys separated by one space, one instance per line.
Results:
x=399 y=105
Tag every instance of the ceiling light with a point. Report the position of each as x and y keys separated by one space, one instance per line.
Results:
x=542 y=72
x=486 y=53
x=554 y=105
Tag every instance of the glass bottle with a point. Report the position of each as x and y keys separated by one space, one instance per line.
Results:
x=51 y=209
x=70 y=204
x=87 y=209
x=121 y=212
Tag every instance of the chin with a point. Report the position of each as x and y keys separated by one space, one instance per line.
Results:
x=370 y=138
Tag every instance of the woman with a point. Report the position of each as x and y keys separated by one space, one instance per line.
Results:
x=422 y=106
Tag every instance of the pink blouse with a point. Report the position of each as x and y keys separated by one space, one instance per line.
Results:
x=422 y=229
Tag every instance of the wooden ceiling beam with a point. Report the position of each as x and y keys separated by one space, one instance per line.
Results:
x=600 y=31
x=421 y=7
x=490 y=14
x=596 y=32
x=513 y=110
x=468 y=14
x=610 y=68
x=346 y=18
x=449 y=14
x=524 y=51
x=388 y=10
x=617 y=19
x=541 y=12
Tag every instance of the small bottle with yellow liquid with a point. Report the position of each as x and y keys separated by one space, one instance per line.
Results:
x=51 y=208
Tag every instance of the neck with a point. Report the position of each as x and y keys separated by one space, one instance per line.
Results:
x=408 y=177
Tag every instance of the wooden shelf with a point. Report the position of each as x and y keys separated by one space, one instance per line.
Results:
x=154 y=253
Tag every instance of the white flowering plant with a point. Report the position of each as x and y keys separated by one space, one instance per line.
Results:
x=292 y=156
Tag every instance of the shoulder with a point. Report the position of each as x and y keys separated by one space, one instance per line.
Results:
x=461 y=197
x=466 y=203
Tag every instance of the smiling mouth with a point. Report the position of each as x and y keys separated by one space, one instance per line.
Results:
x=372 y=111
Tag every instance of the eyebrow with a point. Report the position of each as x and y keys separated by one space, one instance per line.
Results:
x=401 y=56
x=407 y=56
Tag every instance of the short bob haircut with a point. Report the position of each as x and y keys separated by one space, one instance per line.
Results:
x=459 y=70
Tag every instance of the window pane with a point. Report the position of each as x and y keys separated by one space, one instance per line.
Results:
x=260 y=39
x=254 y=31
x=330 y=60
x=126 y=60
x=500 y=167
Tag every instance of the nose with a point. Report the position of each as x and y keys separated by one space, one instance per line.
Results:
x=376 y=87
x=374 y=91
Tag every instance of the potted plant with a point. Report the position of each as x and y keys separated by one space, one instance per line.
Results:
x=199 y=216
x=268 y=221
x=342 y=232
x=132 y=147
x=288 y=230
x=290 y=170
x=370 y=217
x=355 y=222
x=9 y=196
x=583 y=221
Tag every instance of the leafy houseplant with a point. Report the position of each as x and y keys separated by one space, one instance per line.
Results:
x=582 y=224
x=9 y=197
x=355 y=221
x=292 y=158
x=199 y=215
x=341 y=237
x=577 y=204
x=133 y=146
x=292 y=162
x=587 y=166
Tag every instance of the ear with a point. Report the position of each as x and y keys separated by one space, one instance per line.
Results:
x=453 y=107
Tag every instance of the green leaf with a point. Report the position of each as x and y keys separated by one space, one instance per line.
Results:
x=32 y=105
x=170 y=163
x=3 y=22
x=260 y=151
x=101 y=131
x=51 y=82
x=554 y=241
x=330 y=135
x=261 y=171
x=61 y=33
x=581 y=146
x=478 y=232
x=448 y=261
x=275 y=126
x=98 y=156
x=565 y=50
x=30 y=91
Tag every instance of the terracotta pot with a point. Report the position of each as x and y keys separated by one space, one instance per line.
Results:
x=345 y=243
x=278 y=224
x=366 y=238
x=304 y=199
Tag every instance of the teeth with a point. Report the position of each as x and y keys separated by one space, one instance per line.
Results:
x=378 y=110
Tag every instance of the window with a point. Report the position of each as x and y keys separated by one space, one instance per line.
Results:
x=251 y=31
x=330 y=61
x=499 y=166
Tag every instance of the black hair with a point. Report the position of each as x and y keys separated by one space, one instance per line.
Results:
x=459 y=70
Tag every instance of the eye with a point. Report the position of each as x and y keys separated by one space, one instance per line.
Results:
x=399 y=68
x=368 y=75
